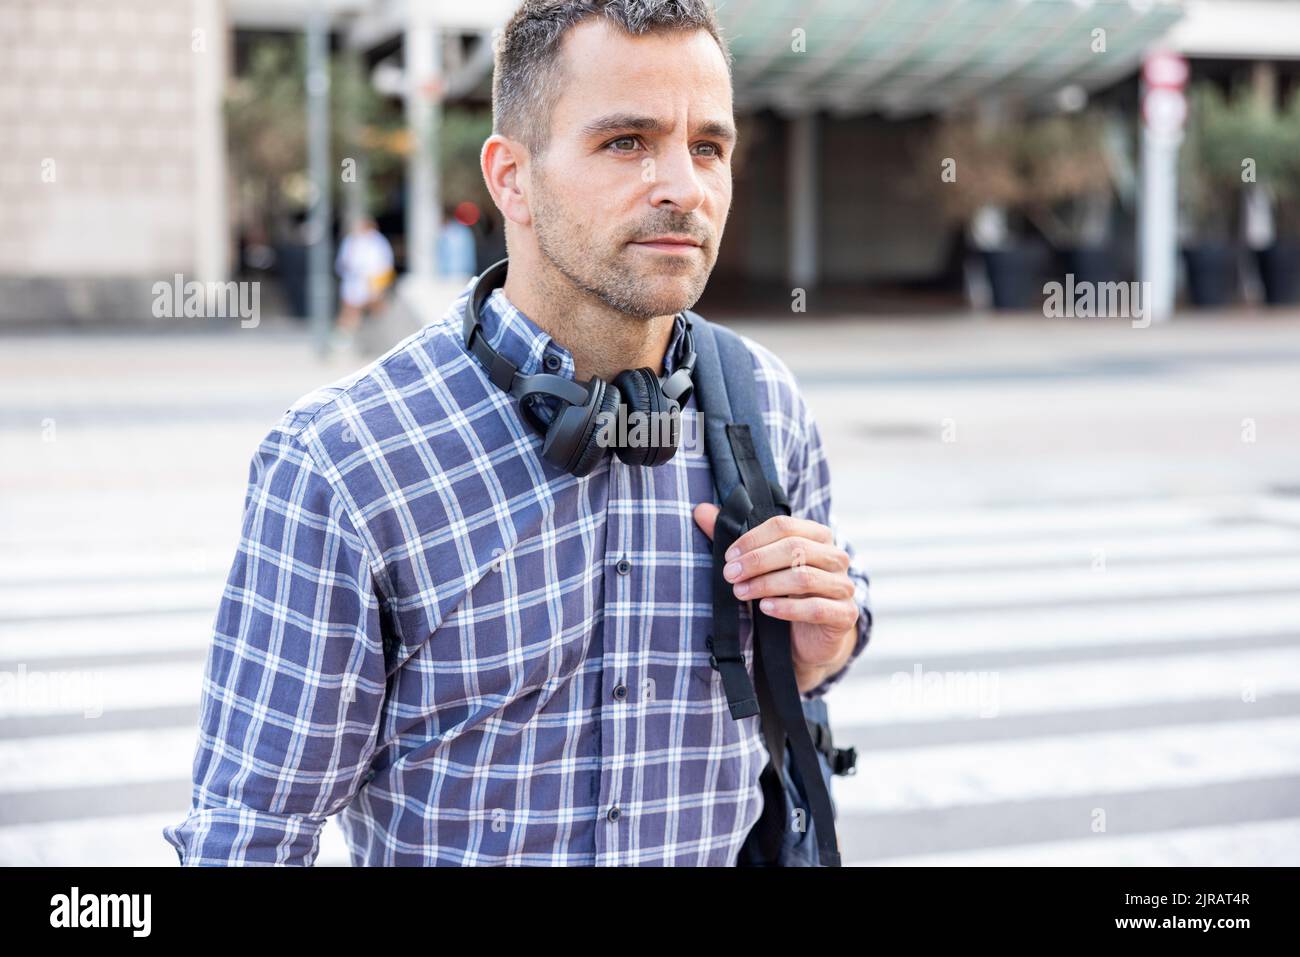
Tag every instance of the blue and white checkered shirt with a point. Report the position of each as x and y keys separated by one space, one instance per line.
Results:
x=471 y=656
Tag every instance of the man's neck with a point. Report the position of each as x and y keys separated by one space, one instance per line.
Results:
x=602 y=340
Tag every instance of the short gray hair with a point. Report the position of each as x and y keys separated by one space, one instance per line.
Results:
x=526 y=81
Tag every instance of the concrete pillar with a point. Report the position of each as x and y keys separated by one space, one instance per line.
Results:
x=803 y=199
x=1157 y=223
x=356 y=201
x=211 y=219
x=320 y=252
x=421 y=48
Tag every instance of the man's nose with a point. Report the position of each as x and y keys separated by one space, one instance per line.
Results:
x=676 y=180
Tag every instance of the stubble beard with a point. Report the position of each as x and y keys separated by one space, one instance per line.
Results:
x=612 y=276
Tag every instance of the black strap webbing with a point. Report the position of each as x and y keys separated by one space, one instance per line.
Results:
x=725 y=654
x=781 y=707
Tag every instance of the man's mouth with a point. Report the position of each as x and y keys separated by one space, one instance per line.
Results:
x=681 y=245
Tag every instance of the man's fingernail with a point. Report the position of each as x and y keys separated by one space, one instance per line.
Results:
x=733 y=552
x=731 y=571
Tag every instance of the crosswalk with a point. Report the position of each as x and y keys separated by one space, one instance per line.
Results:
x=1113 y=683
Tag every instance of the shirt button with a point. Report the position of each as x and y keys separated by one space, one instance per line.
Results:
x=614 y=814
x=552 y=362
x=624 y=566
x=620 y=692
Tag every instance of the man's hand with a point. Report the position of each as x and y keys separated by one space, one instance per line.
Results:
x=794 y=568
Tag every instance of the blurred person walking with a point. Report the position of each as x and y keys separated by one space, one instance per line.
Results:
x=457 y=258
x=365 y=269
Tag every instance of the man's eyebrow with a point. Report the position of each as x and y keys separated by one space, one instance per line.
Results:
x=623 y=122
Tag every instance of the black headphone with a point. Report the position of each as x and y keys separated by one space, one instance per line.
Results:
x=571 y=433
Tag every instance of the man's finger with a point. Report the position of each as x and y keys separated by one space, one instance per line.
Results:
x=776 y=528
x=804 y=581
x=706 y=516
x=786 y=553
x=827 y=613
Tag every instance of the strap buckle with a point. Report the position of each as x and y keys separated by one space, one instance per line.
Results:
x=845 y=761
x=714 y=660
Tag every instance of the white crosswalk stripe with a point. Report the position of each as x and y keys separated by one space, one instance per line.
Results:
x=90 y=600
x=1083 y=764
x=90 y=760
x=921 y=694
x=1266 y=844
x=1030 y=668
x=915 y=593
x=1113 y=548
x=42 y=640
x=91 y=693
x=132 y=840
x=1225 y=620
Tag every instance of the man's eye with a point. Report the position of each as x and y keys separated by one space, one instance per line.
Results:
x=623 y=139
x=717 y=150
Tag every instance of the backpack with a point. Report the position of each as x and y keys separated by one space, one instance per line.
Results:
x=797 y=824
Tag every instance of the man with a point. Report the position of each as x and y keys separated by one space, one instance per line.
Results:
x=456 y=253
x=365 y=268
x=473 y=655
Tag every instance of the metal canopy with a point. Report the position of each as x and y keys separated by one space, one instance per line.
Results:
x=904 y=57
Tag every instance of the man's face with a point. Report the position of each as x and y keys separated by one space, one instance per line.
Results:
x=640 y=148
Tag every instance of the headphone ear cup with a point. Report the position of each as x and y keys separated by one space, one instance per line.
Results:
x=644 y=395
x=589 y=451
x=639 y=388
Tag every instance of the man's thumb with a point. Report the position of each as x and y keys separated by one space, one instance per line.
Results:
x=706 y=516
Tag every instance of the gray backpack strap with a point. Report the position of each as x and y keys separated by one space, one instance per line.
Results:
x=727 y=394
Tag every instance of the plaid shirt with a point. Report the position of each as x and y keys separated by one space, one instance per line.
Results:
x=471 y=656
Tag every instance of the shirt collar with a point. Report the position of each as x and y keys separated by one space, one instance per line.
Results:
x=531 y=349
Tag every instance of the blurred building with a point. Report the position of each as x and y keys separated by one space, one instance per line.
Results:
x=834 y=90
x=826 y=94
x=114 y=174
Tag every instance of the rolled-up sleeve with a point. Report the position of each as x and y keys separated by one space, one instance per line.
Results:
x=295 y=675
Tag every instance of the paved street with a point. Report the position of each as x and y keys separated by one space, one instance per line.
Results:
x=1084 y=542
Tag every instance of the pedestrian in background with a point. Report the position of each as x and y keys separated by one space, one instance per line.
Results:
x=365 y=269
x=456 y=252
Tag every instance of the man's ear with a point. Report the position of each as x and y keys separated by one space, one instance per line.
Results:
x=505 y=170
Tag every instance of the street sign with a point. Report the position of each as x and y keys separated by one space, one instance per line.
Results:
x=1165 y=70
